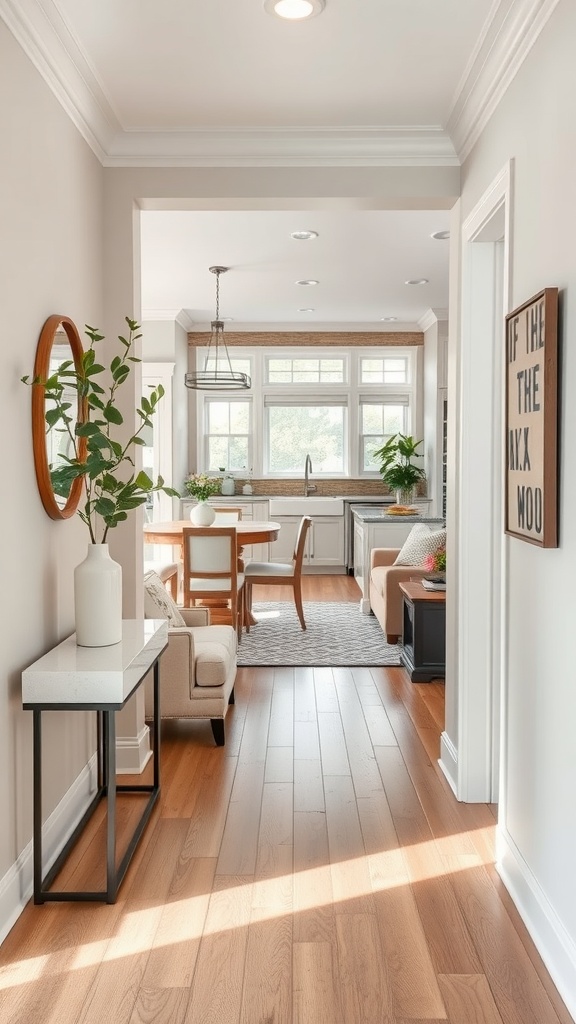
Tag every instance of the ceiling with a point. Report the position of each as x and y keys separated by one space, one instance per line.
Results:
x=224 y=83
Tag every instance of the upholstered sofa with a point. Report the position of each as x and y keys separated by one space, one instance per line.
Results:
x=198 y=668
x=391 y=566
x=385 y=594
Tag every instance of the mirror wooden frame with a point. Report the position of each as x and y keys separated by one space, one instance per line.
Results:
x=41 y=370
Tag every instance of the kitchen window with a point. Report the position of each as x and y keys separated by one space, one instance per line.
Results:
x=336 y=405
x=227 y=433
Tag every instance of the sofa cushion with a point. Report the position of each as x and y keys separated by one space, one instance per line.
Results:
x=421 y=541
x=215 y=654
x=158 y=604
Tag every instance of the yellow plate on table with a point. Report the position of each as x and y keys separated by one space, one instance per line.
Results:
x=401 y=510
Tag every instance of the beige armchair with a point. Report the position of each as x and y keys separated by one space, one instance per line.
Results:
x=385 y=594
x=198 y=668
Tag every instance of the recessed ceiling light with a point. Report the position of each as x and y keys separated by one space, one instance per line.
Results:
x=309 y=309
x=387 y=319
x=294 y=10
x=303 y=236
x=311 y=281
x=440 y=234
x=417 y=280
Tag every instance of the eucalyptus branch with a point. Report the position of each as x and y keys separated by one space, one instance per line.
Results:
x=109 y=498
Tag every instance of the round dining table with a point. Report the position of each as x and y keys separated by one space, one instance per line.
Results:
x=249 y=531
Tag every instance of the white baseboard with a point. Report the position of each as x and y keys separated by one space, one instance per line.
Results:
x=553 y=942
x=448 y=762
x=17 y=884
x=133 y=752
x=132 y=755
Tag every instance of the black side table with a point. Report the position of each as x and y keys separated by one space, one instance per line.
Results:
x=423 y=653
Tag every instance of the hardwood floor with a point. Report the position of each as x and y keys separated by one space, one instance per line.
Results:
x=315 y=870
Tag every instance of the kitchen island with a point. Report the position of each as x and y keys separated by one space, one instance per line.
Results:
x=374 y=527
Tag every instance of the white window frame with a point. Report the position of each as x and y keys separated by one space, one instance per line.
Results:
x=352 y=392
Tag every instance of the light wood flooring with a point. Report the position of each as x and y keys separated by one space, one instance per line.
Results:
x=315 y=870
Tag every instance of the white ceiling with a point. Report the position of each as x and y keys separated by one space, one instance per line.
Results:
x=224 y=83
x=360 y=258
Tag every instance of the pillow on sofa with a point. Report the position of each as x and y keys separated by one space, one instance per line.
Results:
x=421 y=541
x=158 y=604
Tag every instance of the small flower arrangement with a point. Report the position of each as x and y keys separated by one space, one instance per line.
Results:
x=200 y=486
x=437 y=561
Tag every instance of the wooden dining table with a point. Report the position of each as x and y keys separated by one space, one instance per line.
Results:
x=249 y=531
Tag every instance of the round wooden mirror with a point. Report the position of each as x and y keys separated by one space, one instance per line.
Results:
x=59 y=341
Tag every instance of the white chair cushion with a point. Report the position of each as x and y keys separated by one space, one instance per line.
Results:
x=158 y=603
x=214 y=654
x=269 y=569
x=421 y=541
x=215 y=585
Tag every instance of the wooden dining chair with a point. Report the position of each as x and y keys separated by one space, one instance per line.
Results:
x=211 y=569
x=280 y=573
x=226 y=515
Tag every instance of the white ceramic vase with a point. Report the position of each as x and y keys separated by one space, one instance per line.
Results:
x=405 y=495
x=202 y=514
x=98 y=599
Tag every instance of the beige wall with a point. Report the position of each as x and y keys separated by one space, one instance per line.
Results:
x=534 y=127
x=51 y=258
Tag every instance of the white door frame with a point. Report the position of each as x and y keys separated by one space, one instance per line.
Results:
x=478 y=548
x=152 y=375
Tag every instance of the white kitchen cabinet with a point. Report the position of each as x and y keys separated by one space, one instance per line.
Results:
x=324 y=544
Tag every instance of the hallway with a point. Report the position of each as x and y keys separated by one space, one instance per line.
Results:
x=315 y=870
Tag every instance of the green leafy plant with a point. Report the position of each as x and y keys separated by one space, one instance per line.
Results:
x=112 y=486
x=200 y=486
x=397 y=468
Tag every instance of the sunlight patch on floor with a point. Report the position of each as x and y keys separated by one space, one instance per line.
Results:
x=372 y=873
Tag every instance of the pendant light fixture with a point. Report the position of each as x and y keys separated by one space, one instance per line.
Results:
x=217 y=374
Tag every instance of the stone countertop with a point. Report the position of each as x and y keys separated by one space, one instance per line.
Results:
x=368 y=514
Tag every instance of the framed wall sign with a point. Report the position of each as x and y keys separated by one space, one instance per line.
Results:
x=531 y=420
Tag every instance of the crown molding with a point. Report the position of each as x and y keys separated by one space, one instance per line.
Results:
x=290 y=327
x=288 y=147
x=431 y=317
x=510 y=33
x=39 y=28
x=177 y=316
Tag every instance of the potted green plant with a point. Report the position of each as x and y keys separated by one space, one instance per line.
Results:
x=112 y=487
x=398 y=468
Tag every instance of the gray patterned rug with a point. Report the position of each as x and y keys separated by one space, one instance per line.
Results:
x=336 y=634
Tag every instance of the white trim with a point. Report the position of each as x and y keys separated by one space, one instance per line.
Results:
x=47 y=41
x=431 y=317
x=345 y=146
x=551 y=938
x=510 y=33
x=448 y=761
x=480 y=549
x=17 y=884
x=154 y=373
x=511 y=30
x=133 y=752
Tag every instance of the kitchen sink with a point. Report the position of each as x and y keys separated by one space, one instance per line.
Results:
x=300 y=505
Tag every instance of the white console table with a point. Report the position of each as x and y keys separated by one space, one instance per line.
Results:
x=101 y=679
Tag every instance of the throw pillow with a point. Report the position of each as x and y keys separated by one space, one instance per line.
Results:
x=421 y=541
x=158 y=603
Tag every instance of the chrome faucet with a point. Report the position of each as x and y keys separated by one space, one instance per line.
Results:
x=308 y=487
